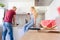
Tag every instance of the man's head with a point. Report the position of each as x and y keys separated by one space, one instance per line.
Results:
x=28 y=13
x=14 y=8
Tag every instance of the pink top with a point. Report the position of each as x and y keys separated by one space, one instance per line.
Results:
x=9 y=15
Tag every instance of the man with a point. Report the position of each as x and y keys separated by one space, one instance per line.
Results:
x=28 y=18
x=7 y=25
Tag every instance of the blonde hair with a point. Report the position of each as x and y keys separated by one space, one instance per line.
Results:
x=34 y=12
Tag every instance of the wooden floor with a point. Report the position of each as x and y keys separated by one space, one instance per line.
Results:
x=34 y=35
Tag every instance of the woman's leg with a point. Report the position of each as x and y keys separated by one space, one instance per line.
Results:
x=30 y=24
x=25 y=26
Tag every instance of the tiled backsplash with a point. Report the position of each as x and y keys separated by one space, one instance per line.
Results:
x=20 y=18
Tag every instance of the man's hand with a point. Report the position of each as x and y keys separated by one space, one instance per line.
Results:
x=13 y=21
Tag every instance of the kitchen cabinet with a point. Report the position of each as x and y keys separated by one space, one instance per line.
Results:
x=43 y=2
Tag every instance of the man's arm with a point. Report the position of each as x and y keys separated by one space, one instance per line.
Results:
x=14 y=18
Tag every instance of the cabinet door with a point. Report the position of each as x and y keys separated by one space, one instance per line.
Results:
x=43 y=2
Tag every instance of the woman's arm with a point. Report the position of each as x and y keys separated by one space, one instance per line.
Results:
x=34 y=21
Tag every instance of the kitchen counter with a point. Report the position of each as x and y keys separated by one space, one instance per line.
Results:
x=34 y=35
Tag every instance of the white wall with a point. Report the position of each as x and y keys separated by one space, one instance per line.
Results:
x=52 y=12
x=19 y=0
x=1 y=15
x=22 y=5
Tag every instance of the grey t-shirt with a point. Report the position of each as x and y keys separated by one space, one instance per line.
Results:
x=31 y=17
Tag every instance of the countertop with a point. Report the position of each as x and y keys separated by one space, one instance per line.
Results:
x=35 y=35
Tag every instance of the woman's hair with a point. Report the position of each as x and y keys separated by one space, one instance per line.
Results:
x=35 y=12
x=33 y=7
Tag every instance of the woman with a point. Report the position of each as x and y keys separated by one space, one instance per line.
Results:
x=32 y=21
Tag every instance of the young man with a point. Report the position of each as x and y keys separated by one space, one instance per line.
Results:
x=7 y=25
x=28 y=18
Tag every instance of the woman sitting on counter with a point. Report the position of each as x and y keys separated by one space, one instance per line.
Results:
x=33 y=16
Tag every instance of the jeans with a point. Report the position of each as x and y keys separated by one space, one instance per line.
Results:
x=28 y=25
x=7 y=28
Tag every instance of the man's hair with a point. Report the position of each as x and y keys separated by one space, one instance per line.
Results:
x=14 y=7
